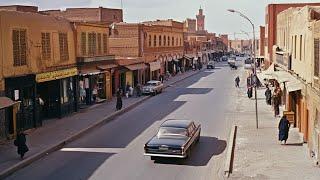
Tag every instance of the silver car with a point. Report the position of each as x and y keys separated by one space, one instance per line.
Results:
x=152 y=87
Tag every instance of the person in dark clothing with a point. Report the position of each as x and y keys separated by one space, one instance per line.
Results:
x=138 y=89
x=20 y=142
x=268 y=95
x=237 y=81
x=119 y=100
x=161 y=78
x=249 y=92
x=283 y=127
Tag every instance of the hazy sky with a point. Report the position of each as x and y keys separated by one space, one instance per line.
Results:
x=217 y=18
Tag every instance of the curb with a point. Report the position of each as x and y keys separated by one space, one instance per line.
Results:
x=73 y=137
x=230 y=152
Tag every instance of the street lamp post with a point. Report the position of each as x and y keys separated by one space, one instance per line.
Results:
x=254 y=60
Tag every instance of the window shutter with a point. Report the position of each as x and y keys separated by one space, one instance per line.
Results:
x=316 y=57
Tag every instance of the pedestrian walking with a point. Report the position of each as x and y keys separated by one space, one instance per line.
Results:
x=268 y=95
x=284 y=126
x=276 y=100
x=119 y=100
x=20 y=142
x=249 y=92
x=138 y=90
x=237 y=81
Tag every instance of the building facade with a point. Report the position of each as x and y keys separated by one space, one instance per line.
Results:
x=296 y=56
x=38 y=67
x=100 y=14
x=271 y=12
x=153 y=47
x=96 y=67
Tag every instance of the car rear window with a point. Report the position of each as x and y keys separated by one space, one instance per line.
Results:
x=172 y=131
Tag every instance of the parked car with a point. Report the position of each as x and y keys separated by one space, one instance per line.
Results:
x=224 y=58
x=211 y=65
x=152 y=87
x=174 y=139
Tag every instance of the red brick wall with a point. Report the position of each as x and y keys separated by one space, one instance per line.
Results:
x=33 y=9
x=262 y=40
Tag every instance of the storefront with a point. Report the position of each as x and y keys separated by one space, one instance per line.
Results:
x=23 y=89
x=57 y=93
x=8 y=120
x=155 y=69
x=136 y=73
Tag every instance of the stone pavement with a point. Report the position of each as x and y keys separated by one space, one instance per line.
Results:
x=258 y=153
x=57 y=130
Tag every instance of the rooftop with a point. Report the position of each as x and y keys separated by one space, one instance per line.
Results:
x=176 y=123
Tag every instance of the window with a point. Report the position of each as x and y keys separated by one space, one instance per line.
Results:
x=295 y=46
x=19 y=43
x=316 y=57
x=172 y=41
x=84 y=43
x=63 y=43
x=160 y=40
x=46 y=46
x=105 y=43
x=92 y=41
x=168 y=40
x=150 y=41
x=154 y=41
x=164 y=40
x=300 y=54
x=99 y=43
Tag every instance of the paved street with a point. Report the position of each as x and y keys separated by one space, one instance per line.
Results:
x=115 y=151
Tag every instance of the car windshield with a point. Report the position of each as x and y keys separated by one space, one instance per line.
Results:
x=151 y=84
x=171 y=131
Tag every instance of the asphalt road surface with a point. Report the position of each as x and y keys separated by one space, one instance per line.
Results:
x=115 y=150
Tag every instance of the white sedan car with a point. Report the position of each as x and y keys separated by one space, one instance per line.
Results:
x=152 y=87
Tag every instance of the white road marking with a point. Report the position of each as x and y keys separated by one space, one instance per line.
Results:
x=94 y=150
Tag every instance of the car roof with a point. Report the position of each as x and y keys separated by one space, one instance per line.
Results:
x=176 y=123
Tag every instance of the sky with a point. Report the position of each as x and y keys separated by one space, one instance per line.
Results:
x=218 y=19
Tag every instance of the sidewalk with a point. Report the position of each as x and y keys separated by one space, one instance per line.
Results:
x=56 y=132
x=258 y=153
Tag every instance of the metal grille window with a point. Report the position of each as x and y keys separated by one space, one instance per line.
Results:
x=63 y=43
x=46 y=46
x=172 y=41
x=84 y=43
x=105 y=43
x=316 y=57
x=19 y=42
x=168 y=40
x=150 y=41
x=164 y=41
x=160 y=40
x=154 y=41
x=92 y=43
x=99 y=43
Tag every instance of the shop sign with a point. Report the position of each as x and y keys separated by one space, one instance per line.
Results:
x=54 y=75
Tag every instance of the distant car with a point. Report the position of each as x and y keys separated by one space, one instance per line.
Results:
x=153 y=87
x=224 y=58
x=211 y=65
x=248 y=66
x=232 y=61
x=173 y=140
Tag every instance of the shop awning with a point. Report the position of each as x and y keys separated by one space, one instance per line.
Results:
x=134 y=67
x=6 y=102
x=85 y=72
x=294 y=86
x=107 y=66
x=267 y=74
x=155 y=65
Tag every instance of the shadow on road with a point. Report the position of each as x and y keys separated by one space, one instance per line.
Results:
x=201 y=153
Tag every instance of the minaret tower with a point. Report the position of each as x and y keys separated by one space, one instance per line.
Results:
x=200 y=20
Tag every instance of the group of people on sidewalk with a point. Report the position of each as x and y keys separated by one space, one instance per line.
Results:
x=273 y=98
